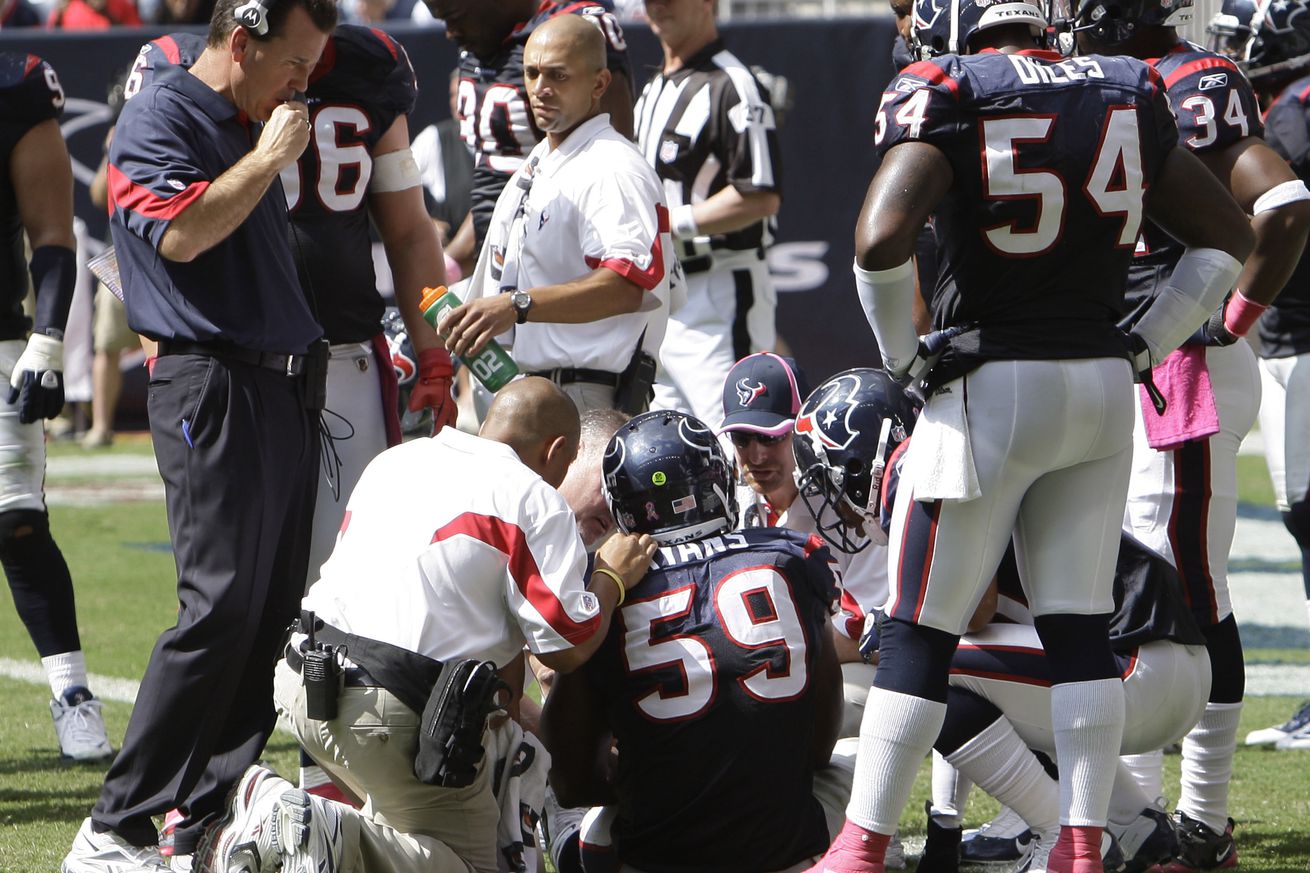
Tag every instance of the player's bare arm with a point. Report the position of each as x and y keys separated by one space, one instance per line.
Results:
x=599 y=294
x=1250 y=169
x=828 y=702
x=231 y=198
x=462 y=249
x=1189 y=202
x=574 y=730
x=38 y=166
x=912 y=179
x=731 y=210
x=617 y=101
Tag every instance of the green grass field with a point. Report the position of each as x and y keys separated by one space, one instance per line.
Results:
x=124 y=576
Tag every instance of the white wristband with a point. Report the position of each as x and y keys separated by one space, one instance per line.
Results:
x=394 y=171
x=682 y=222
x=887 y=297
x=1281 y=195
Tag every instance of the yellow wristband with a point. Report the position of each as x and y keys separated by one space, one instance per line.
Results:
x=618 y=582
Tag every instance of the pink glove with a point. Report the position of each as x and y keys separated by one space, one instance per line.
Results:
x=435 y=376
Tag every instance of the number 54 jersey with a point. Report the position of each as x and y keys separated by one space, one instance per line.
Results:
x=1051 y=159
x=707 y=679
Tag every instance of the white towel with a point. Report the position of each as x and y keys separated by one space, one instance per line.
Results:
x=939 y=461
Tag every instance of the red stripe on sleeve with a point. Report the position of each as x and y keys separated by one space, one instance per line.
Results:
x=649 y=278
x=170 y=48
x=932 y=74
x=1196 y=66
x=126 y=194
x=386 y=41
x=509 y=539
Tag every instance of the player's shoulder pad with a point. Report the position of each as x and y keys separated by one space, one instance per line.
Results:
x=30 y=92
x=371 y=62
x=943 y=71
x=1188 y=68
x=176 y=49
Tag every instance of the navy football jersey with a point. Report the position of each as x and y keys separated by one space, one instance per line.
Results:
x=495 y=120
x=1215 y=107
x=361 y=84
x=30 y=94
x=706 y=678
x=1285 y=326
x=1051 y=158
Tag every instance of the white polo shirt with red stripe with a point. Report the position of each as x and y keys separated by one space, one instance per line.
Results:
x=593 y=202
x=452 y=548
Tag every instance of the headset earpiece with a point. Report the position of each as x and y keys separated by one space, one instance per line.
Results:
x=253 y=15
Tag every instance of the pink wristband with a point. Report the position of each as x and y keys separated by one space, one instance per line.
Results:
x=1241 y=313
x=453 y=272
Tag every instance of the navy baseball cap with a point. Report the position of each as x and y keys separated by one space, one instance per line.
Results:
x=763 y=393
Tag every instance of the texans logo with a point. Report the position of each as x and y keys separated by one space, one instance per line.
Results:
x=933 y=7
x=748 y=392
x=829 y=422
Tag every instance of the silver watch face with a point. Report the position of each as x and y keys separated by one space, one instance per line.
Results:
x=520 y=300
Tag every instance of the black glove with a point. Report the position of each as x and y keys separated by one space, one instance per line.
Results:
x=1213 y=332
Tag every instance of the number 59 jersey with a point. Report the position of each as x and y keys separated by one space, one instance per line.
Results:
x=706 y=677
x=1051 y=159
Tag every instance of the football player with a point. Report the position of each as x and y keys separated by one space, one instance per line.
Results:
x=1273 y=50
x=36 y=197
x=717 y=677
x=493 y=105
x=1182 y=498
x=1036 y=229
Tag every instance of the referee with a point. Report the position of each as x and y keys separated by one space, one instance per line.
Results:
x=705 y=124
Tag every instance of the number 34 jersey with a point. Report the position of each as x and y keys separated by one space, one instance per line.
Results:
x=1051 y=158
x=706 y=675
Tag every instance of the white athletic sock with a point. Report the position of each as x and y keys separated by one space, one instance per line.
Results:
x=897 y=732
x=950 y=792
x=1088 y=718
x=1127 y=800
x=999 y=763
x=64 y=671
x=1148 y=771
x=1208 y=765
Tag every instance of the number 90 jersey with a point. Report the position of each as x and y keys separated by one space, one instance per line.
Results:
x=706 y=677
x=362 y=83
x=1216 y=108
x=1051 y=159
x=30 y=94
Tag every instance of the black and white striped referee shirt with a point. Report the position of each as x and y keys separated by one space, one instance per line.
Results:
x=706 y=126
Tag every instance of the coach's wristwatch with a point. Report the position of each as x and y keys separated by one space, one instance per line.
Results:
x=522 y=302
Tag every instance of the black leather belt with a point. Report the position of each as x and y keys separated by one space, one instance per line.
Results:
x=568 y=375
x=355 y=676
x=291 y=365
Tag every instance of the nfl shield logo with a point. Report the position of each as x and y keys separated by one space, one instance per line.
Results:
x=669 y=151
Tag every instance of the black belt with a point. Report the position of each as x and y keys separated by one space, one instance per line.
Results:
x=693 y=264
x=355 y=676
x=291 y=365
x=569 y=375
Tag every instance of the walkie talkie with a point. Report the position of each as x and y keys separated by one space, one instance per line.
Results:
x=321 y=673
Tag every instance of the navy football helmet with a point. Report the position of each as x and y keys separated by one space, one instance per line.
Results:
x=666 y=475
x=1258 y=33
x=940 y=27
x=845 y=433
x=1113 y=22
x=404 y=360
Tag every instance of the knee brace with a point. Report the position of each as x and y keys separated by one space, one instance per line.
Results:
x=1077 y=647
x=1297 y=522
x=1227 y=666
x=914 y=660
x=967 y=715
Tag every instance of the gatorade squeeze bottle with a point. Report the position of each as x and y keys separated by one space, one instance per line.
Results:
x=493 y=366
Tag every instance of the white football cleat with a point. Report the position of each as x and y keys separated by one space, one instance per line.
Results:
x=109 y=853
x=80 y=726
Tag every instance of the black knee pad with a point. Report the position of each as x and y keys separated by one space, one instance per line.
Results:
x=967 y=715
x=913 y=659
x=20 y=523
x=38 y=578
x=1227 y=666
x=1077 y=647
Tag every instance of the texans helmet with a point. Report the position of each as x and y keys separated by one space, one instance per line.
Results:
x=666 y=475
x=845 y=433
x=1259 y=33
x=404 y=360
x=940 y=27
x=1114 y=22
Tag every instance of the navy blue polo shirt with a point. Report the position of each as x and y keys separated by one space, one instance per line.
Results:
x=172 y=141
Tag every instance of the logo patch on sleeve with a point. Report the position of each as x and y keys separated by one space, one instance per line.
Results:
x=1211 y=81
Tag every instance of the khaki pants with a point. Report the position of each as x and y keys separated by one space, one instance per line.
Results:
x=405 y=825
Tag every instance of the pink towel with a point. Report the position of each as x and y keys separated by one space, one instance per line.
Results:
x=1184 y=381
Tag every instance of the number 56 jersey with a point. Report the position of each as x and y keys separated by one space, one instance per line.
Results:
x=707 y=680
x=1051 y=159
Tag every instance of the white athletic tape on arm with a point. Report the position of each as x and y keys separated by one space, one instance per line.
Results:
x=394 y=171
x=1281 y=195
x=888 y=300
x=1195 y=289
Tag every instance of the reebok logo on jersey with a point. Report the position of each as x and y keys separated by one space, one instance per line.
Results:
x=1211 y=81
x=175 y=184
x=905 y=86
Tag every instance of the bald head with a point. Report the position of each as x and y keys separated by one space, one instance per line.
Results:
x=577 y=36
x=539 y=422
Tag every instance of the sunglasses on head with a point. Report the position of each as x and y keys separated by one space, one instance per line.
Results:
x=743 y=438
